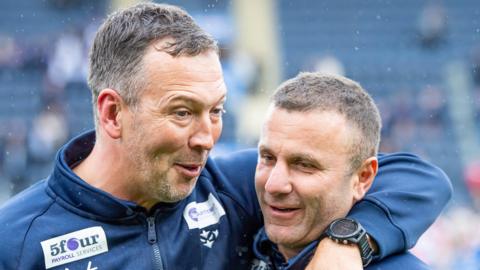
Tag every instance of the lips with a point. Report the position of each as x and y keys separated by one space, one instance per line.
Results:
x=189 y=169
x=282 y=211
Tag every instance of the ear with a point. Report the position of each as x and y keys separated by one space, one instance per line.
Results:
x=109 y=107
x=365 y=175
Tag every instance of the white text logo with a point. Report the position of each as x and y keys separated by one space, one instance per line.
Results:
x=74 y=246
x=201 y=215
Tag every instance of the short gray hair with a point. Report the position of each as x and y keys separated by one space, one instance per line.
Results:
x=321 y=92
x=121 y=42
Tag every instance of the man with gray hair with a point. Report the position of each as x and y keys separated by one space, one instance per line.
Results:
x=317 y=158
x=140 y=192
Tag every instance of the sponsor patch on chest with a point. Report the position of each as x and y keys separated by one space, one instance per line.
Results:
x=203 y=214
x=74 y=246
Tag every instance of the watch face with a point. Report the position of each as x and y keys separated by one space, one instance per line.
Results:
x=344 y=227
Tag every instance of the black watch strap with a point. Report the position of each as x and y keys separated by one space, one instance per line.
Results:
x=366 y=251
x=349 y=231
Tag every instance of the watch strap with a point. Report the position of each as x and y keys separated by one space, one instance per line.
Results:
x=359 y=238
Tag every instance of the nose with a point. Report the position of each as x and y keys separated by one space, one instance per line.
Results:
x=204 y=136
x=278 y=181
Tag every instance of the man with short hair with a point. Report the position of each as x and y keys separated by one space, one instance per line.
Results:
x=317 y=158
x=140 y=192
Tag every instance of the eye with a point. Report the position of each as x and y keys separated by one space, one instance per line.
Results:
x=267 y=159
x=305 y=166
x=218 y=112
x=182 y=114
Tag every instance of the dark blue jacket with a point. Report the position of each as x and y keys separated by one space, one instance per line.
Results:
x=270 y=258
x=64 y=223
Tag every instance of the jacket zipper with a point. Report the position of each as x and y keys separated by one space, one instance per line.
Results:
x=152 y=239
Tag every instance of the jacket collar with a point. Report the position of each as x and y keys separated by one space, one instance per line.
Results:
x=268 y=252
x=75 y=194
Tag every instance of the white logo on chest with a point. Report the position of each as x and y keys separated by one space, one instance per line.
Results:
x=208 y=237
x=74 y=246
x=204 y=214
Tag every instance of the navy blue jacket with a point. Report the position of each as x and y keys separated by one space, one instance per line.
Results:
x=270 y=258
x=63 y=223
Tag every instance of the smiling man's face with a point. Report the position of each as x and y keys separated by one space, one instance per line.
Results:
x=303 y=177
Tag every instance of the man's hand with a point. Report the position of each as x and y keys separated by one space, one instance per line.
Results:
x=332 y=256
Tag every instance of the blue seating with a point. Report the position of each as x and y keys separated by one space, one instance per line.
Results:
x=377 y=42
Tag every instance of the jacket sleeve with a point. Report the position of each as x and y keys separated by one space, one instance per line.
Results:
x=237 y=170
x=406 y=197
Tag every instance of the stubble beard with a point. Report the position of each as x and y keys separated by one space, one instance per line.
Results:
x=159 y=186
x=151 y=183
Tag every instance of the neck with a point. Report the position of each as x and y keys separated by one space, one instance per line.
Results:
x=105 y=168
x=288 y=252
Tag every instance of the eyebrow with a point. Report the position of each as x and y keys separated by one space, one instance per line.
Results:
x=263 y=148
x=302 y=156
x=290 y=157
x=195 y=101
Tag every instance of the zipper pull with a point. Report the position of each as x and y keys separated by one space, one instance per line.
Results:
x=152 y=234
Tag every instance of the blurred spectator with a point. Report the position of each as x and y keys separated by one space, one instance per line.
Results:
x=328 y=64
x=432 y=24
x=387 y=114
x=240 y=72
x=475 y=62
x=452 y=242
x=476 y=107
x=67 y=62
x=33 y=54
x=472 y=181
x=26 y=143
x=431 y=112
x=403 y=129
x=9 y=55
x=49 y=131
x=15 y=154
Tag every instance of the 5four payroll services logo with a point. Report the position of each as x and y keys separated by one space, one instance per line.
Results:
x=74 y=246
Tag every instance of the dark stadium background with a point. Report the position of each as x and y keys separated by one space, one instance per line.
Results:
x=419 y=59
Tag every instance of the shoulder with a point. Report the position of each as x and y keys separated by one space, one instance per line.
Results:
x=232 y=175
x=247 y=157
x=24 y=206
x=16 y=217
x=234 y=167
x=400 y=261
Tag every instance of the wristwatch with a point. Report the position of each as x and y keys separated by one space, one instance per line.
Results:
x=348 y=231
